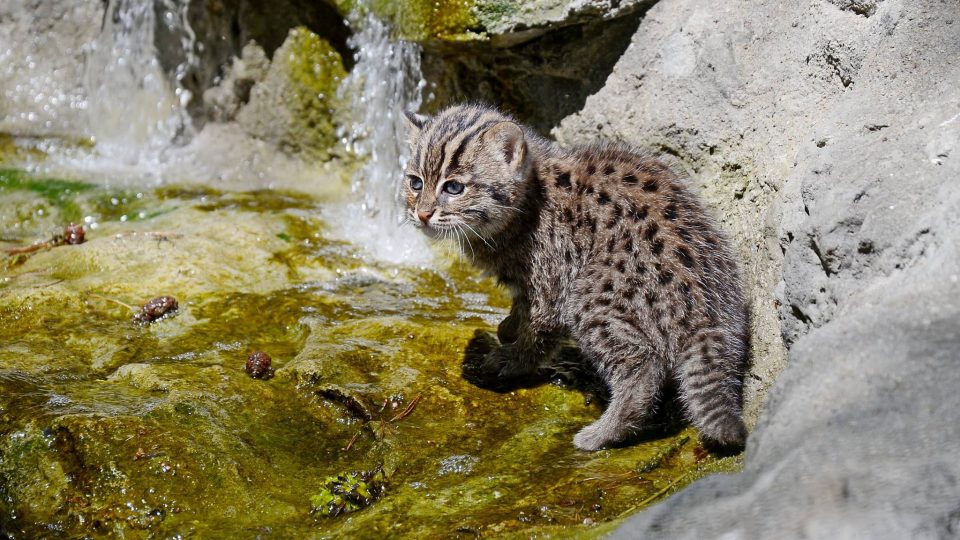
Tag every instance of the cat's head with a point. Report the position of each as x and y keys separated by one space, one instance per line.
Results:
x=467 y=173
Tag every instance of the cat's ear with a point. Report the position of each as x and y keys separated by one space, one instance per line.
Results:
x=506 y=141
x=415 y=123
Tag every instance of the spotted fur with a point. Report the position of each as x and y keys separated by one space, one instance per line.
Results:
x=598 y=243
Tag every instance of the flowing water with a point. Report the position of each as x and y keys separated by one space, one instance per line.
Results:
x=385 y=81
x=122 y=61
x=370 y=425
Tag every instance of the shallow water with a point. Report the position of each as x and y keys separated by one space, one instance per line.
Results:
x=110 y=427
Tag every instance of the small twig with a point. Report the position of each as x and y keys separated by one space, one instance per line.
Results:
x=115 y=301
x=352 y=440
x=409 y=409
x=29 y=249
x=660 y=493
x=157 y=235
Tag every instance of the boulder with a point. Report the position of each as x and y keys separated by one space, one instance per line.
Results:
x=825 y=135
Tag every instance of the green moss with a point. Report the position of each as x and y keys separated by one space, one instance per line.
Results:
x=420 y=20
x=492 y=12
x=316 y=71
x=31 y=478
x=448 y=20
x=347 y=493
x=15 y=150
x=8 y=149
x=60 y=194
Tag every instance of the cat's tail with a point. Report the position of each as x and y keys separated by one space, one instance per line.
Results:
x=710 y=373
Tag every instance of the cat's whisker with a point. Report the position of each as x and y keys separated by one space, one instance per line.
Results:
x=467 y=240
x=446 y=234
x=475 y=233
x=457 y=232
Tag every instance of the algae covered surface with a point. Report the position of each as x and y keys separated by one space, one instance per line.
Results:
x=109 y=427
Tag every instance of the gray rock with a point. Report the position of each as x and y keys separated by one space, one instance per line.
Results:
x=858 y=440
x=293 y=107
x=826 y=135
x=540 y=78
x=508 y=24
x=224 y=100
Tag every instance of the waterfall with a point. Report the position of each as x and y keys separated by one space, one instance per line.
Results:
x=385 y=80
x=136 y=116
x=133 y=114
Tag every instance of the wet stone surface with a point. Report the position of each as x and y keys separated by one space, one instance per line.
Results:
x=368 y=427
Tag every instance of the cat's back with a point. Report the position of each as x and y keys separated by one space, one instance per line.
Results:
x=630 y=214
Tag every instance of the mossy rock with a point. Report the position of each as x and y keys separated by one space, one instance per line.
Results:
x=420 y=20
x=503 y=22
x=295 y=106
x=108 y=427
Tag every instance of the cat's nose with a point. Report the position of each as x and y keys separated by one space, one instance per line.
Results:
x=425 y=215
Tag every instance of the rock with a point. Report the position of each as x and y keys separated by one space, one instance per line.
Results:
x=223 y=101
x=540 y=80
x=222 y=31
x=860 y=7
x=825 y=139
x=142 y=376
x=294 y=106
x=852 y=443
x=502 y=23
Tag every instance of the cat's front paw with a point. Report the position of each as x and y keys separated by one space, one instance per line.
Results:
x=496 y=360
x=504 y=363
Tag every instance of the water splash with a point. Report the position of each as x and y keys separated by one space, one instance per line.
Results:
x=136 y=114
x=39 y=91
x=385 y=81
x=133 y=113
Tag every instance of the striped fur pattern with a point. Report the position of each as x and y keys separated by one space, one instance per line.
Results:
x=601 y=244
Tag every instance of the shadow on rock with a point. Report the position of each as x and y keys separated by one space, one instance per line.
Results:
x=567 y=369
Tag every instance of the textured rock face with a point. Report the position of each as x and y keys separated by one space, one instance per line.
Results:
x=501 y=23
x=294 y=106
x=826 y=134
x=541 y=80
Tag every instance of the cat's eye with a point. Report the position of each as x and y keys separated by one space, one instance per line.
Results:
x=453 y=187
x=416 y=184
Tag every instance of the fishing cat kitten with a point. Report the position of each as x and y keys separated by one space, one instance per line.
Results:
x=597 y=243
